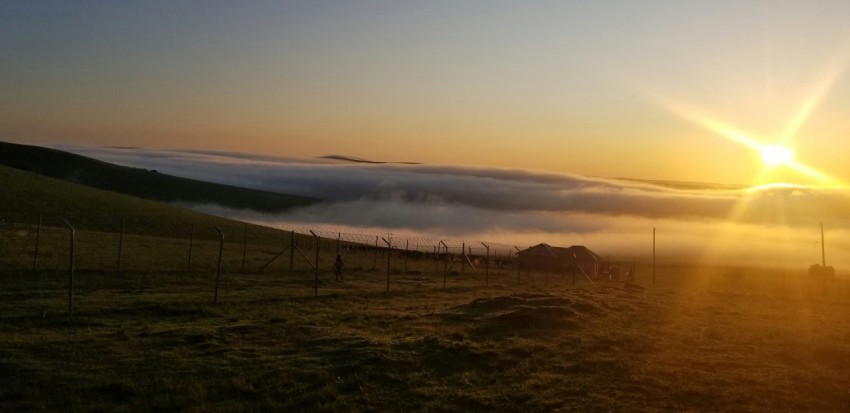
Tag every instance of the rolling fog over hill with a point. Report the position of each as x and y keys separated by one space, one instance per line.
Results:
x=775 y=225
x=140 y=182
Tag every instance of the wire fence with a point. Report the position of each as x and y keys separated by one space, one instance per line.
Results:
x=49 y=264
x=41 y=247
x=47 y=257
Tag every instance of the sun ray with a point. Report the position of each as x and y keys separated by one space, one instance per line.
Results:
x=702 y=118
x=814 y=173
x=821 y=89
x=775 y=152
x=773 y=155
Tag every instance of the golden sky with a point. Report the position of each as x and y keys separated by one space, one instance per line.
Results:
x=608 y=88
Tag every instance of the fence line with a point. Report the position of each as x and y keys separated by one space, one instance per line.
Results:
x=123 y=250
x=401 y=241
x=46 y=251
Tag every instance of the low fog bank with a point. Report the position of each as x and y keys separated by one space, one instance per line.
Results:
x=615 y=237
x=774 y=226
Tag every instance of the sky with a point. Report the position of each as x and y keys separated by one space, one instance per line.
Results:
x=666 y=90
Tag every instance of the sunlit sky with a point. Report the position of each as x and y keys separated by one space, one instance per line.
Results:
x=602 y=88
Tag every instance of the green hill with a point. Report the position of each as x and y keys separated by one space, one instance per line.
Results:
x=140 y=182
x=25 y=196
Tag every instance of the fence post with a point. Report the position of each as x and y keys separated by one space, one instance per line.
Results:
x=70 y=269
x=218 y=267
x=375 y=264
x=120 y=245
x=445 y=266
x=191 y=241
x=450 y=263
x=437 y=260
x=486 y=265
x=389 y=253
x=316 y=276
x=463 y=258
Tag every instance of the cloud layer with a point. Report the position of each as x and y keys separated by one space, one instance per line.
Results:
x=523 y=207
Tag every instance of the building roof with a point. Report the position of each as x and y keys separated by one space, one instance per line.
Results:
x=547 y=251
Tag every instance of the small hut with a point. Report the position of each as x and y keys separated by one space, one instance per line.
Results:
x=544 y=257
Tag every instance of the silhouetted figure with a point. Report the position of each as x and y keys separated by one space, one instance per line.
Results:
x=338 y=267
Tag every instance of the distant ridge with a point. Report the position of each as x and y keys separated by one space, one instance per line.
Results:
x=361 y=160
x=142 y=183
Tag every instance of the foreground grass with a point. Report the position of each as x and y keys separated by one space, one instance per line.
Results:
x=155 y=342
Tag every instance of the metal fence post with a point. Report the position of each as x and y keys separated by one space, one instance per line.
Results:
x=437 y=260
x=316 y=276
x=445 y=266
x=463 y=258
x=486 y=264
x=375 y=264
x=389 y=253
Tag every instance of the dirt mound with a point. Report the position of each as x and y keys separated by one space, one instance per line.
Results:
x=520 y=314
x=528 y=316
x=503 y=303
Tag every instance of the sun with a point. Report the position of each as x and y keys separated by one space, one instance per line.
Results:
x=776 y=155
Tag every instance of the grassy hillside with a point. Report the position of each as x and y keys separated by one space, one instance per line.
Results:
x=25 y=196
x=140 y=182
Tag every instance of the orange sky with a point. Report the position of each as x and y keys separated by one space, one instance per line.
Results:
x=582 y=88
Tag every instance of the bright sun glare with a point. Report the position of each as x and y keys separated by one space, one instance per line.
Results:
x=775 y=155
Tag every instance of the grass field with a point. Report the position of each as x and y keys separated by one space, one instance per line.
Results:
x=154 y=341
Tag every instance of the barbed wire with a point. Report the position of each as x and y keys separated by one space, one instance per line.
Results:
x=46 y=247
x=404 y=241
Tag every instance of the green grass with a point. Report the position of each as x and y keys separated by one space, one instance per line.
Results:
x=25 y=196
x=154 y=341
